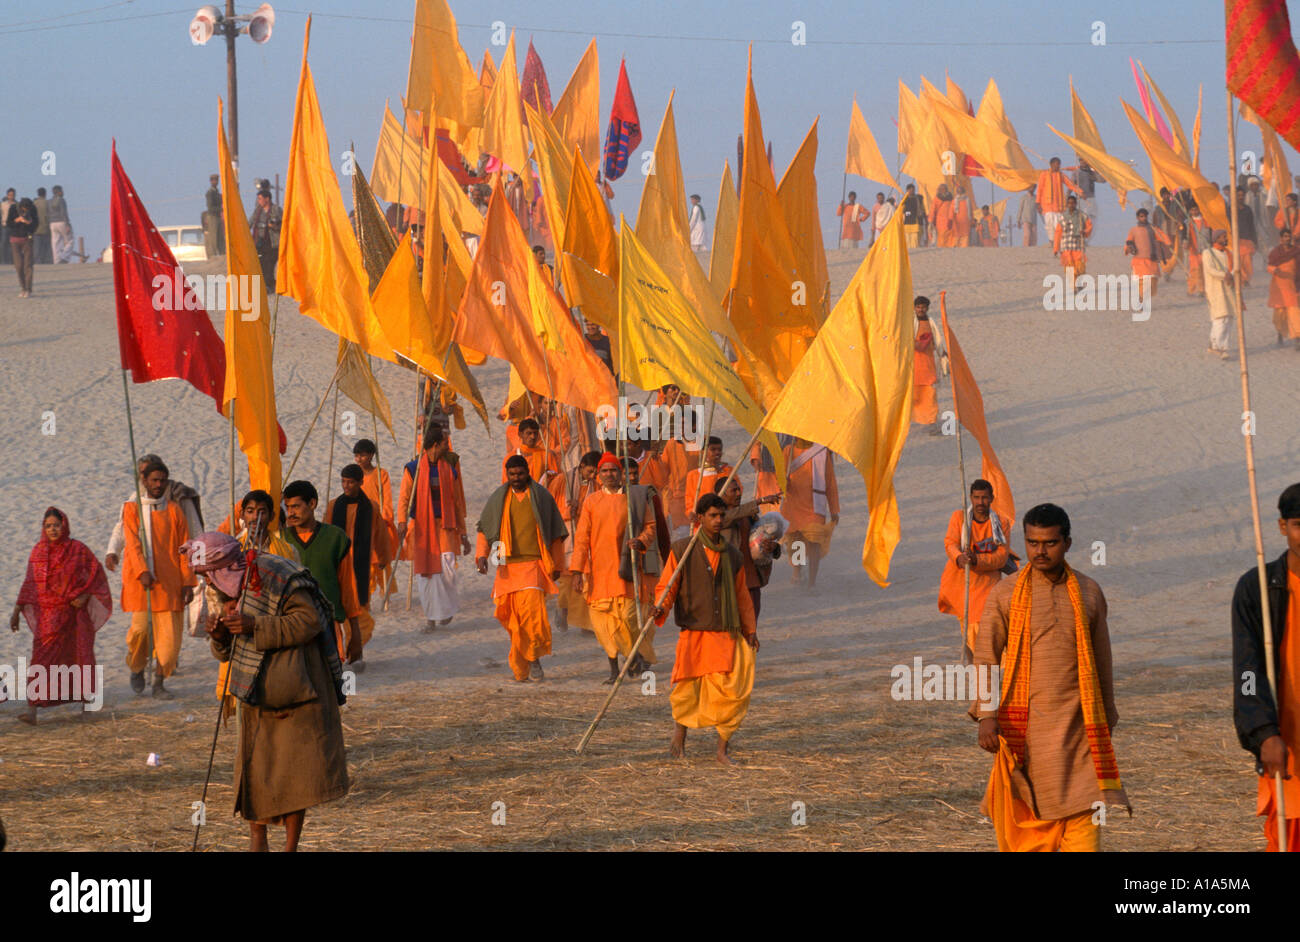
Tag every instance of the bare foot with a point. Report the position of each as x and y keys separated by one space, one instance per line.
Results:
x=722 y=752
x=677 y=745
x=536 y=672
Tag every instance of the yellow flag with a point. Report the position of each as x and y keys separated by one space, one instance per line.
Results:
x=503 y=116
x=249 y=379
x=358 y=383
x=1000 y=158
x=797 y=192
x=956 y=97
x=406 y=317
x=577 y=113
x=1168 y=165
x=1276 y=171
x=773 y=319
x=1085 y=129
x=487 y=72
x=1180 y=140
x=926 y=142
x=992 y=112
x=431 y=280
x=661 y=225
x=910 y=124
x=439 y=66
x=664 y=341
x=395 y=174
x=852 y=391
x=320 y=262
x=1121 y=176
x=724 y=235
x=589 y=258
x=863 y=156
x=553 y=167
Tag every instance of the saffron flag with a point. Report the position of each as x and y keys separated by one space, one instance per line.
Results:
x=624 y=132
x=862 y=156
x=1263 y=66
x=664 y=341
x=1167 y=165
x=662 y=227
x=1179 y=140
x=852 y=391
x=577 y=114
x=503 y=117
x=536 y=90
x=250 y=382
x=554 y=167
x=395 y=174
x=1085 y=129
x=439 y=66
x=357 y=381
x=320 y=262
x=163 y=331
x=589 y=258
x=497 y=318
x=969 y=406
x=724 y=235
x=1121 y=176
x=797 y=193
x=1000 y=158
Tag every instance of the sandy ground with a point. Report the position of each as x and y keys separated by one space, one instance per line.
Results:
x=1131 y=426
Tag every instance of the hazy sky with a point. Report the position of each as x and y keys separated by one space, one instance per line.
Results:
x=79 y=73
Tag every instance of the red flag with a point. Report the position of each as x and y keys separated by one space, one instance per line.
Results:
x=534 y=84
x=1263 y=67
x=624 y=127
x=163 y=330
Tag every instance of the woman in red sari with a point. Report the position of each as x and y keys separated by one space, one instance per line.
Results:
x=65 y=599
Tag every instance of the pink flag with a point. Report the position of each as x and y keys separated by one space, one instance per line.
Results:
x=1152 y=112
x=535 y=87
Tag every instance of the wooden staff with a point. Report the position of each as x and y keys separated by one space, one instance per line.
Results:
x=379 y=468
x=704 y=449
x=966 y=653
x=144 y=540
x=415 y=455
x=1265 y=614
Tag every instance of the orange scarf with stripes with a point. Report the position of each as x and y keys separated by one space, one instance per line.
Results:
x=1013 y=709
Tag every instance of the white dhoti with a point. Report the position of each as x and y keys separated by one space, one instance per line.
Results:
x=1219 y=332
x=1050 y=222
x=437 y=592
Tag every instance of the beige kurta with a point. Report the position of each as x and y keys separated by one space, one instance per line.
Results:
x=1058 y=763
x=292 y=759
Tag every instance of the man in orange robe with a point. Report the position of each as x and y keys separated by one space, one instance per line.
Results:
x=157 y=582
x=543 y=461
x=811 y=505
x=360 y=518
x=431 y=508
x=378 y=487
x=853 y=214
x=925 y=378
x=962 y=220
x=521 y=529
x=943 y=217
x=1052 y=184
x=598 y=551
x=651 y=468
x=1288 y=217
x=990 y=229
x=579 y=484
x=700 y=481
x=1282 y=295
x=713 y=671
x=1070 y=241
x=1270 y=734
x=1142 y=242
x=985 y=555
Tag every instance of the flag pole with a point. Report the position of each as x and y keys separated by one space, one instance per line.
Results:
x=621 y=439
x=966 y=653
x=1265 y=615
x=312 y=424
x=144 y=542
x=334 y=425
x=415 y=455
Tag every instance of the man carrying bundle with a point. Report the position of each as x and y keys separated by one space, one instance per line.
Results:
x=1054 y=769
x=713 y=672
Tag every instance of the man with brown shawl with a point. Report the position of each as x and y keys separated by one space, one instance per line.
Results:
x=271 y=622
x=1054 y=769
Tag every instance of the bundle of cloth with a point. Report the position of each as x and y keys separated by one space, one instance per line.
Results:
x=769 y=526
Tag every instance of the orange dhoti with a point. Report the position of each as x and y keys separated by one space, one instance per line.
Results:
x=1246 y=256
x=166 y=641
x=925 y=404
x=573 y=604
x=1147 y=272
x=1016 y=827
x=614 y=622
x=717 y=698
x=522 y=614
x=1074 y=260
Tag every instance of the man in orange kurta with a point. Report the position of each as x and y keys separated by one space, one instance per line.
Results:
x=925 y=378
x=1052 y=184
x=598 y=548
x=522 y=531
x=431 y=511
x=369 y=546
x=853 y=214
x=943 y=217
x=543 y=461
x=962 y=219
x=990 y=231
x=713 y=670
x=651 y=468
x=579 y=484
x=811 y=505
x=700 y=481
x=157 y=582
x=985 y=555
x=378 y=486
x=1284 y=266
x=1143 y=243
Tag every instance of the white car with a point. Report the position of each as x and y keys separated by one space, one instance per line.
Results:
x=186 y=243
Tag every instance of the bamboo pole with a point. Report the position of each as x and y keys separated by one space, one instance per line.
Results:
x=415 y=454
x=144 y=541
x=1265 y=614
x=334 y=427
x=966 y=653
x=325 y=395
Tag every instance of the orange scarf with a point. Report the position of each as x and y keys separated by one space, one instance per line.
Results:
x=1013 y=710
x=427 y=555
